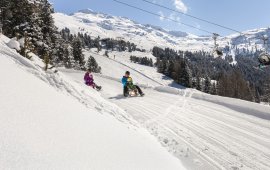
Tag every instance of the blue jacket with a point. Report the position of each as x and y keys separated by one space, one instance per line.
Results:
x=124 y=80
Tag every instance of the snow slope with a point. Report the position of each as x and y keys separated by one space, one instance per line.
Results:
x=203 y=131
x=148 y=36
x=49 y=121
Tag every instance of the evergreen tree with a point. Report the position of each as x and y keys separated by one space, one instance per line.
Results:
x=77 y=54
x=93 y=65
x=160 y=66
x=17 y=16
x=106 y=54
x=170 y=68
x=198 y=83
x=31 y=20
x=68 y=59
x=151 y=64
x=185 y=77
x=59 y=53
x=214 y=89
x=48 y=29
x=207 y=85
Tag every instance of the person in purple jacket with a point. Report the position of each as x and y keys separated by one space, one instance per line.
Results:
x=89 y=80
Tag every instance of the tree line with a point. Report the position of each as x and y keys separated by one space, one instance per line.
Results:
x=32 y=24
x=216 y=76
x=142 y=60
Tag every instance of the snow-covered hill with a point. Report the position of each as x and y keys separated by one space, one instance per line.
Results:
x=49 y=121
x=54 y=121
x=203 y=131
x=148 y=36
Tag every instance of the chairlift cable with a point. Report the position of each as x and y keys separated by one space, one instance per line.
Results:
x=194 y=17
x=176 y=21
x=152 y=13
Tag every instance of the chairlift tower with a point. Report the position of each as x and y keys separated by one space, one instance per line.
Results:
x=265 y=39
x=215 y=36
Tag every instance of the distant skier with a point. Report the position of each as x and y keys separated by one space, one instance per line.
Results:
x=89 y=80
x=129 y=86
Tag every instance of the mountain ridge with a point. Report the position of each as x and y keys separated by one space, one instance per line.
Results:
x=147 y=35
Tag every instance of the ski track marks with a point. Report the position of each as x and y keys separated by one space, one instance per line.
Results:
x=201 y=133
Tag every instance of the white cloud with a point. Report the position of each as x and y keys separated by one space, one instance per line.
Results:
x=180 y=5
x=161 y=18
x=172 y=16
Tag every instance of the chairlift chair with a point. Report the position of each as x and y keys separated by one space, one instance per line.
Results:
x=264 y=57
x=217 y=51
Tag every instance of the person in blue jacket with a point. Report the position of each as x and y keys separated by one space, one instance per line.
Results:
x=128 y=84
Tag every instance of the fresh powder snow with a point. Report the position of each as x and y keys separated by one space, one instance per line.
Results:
x=51 y=120
x=48 y=121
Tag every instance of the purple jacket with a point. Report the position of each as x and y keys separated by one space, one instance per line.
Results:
x=88 y=79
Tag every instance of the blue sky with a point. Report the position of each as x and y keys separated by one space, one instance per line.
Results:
x=238 y=14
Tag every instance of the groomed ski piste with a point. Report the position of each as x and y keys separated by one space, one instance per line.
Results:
x=53 y=121
x=203 y=131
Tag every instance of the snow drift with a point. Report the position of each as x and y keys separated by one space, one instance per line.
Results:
x=48 y=123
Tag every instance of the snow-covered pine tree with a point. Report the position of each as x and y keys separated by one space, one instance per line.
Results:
x=31 y=19
x=48 y=29
x=22 y=20
x=93 y=65
x=68 y=59
x=97 y=44
x=185 y=76
x=214 y=89
x=171 y=68
x=207 y=84
x=160 y=66
x=198 y=83
x=77 y=54
x=15 y=13
x=59 y=53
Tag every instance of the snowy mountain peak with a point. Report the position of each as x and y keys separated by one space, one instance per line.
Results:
x=147 y=36
x=178 y=33
x=87 y=11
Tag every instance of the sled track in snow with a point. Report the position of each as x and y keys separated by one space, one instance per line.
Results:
x=170 y=108
x=199 y=129
x=135 y=71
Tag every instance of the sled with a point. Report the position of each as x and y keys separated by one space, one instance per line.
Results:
x=133 y=92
